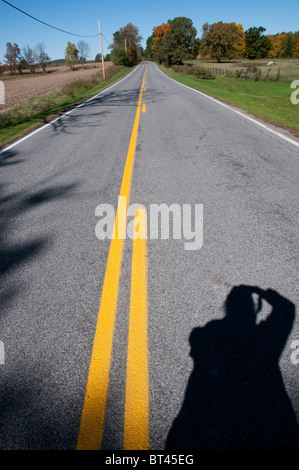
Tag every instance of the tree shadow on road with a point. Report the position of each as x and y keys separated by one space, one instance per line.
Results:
x=15 y=249
x=125 y=97
x=8 y=158
x=23 y=425
x=236 y=398
x=69 y=123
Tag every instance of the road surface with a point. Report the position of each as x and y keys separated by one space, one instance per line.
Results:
x=159 y=342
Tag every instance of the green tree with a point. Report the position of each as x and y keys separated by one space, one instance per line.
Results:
x=98 y=57
x=119 y=56
x=257 y=45
x=221 y=40
x=148 y=53
x=179 y=43
x=289 y=45
x=71 y=55
x=126 y=46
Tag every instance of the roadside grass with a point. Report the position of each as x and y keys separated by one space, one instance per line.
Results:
x=19 y=120
x=269 y=101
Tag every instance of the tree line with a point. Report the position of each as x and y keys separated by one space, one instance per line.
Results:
x=170 y=43
x=16 y=60
x=175 y=41
x=30 y=58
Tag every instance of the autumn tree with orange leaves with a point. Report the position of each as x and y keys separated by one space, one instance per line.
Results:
x=175 y=42
x=159 y=34
x=284 y=45
x=222 y=41
x=154 y=44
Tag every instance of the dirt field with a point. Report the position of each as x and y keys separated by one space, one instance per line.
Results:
x=19 y=89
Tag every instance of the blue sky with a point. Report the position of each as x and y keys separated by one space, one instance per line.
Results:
x=81 y=17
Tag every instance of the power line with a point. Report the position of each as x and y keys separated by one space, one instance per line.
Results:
x=105 y=39
x=54 y=27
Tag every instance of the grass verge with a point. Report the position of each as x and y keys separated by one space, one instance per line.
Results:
x=24 y=118
x=269 y=101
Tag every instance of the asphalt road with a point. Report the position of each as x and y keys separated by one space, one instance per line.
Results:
x=210 y=373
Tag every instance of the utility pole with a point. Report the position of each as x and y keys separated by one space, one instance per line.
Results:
x=103 y=62
x=126 y=45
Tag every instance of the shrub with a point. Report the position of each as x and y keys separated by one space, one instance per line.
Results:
x=194 y=70
x=239 y=73
x=179 y=69
x=202 y=72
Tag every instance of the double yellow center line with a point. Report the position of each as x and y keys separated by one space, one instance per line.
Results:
x=136 y=436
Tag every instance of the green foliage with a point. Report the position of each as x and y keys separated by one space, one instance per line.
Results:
x=119 y=56
x=126 y=46
x=289 y=45
x=179 y=43
x=71 y=55
x=257 y=45
x=148 y=53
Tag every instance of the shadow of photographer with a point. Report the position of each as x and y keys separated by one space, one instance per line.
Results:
x=235 y=398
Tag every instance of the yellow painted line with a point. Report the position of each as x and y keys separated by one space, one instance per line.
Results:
x=136 y=428
x=93 y=413
x=144 y=108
